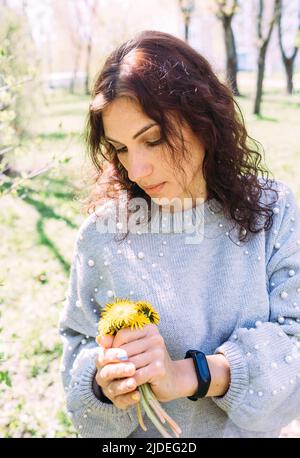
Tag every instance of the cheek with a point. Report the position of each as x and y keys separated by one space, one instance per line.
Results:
x=164 y=168
x=194 y=166
x=182 y=180
x=123 y=161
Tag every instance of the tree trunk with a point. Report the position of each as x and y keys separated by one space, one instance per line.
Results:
x=186 y=30
x=289 y=68
x=259 y=80
x=288 y=62
x=75 y=71
x=231 y=57
x=88 y=59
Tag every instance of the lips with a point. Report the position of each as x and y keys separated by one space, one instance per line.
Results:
x=155 y=189
x=154 y=186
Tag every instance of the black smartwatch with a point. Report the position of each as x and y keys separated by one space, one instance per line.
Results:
x=202 y=371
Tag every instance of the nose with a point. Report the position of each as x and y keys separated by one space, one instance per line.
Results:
x=138 y=169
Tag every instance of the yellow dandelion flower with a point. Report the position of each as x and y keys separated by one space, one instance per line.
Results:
x=121 y=313
x=105 y=327
x=147 y=309
x=139 y=321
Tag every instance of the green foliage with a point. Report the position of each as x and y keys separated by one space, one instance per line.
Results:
x=5 y=378
x=63 y=419
x=18 y=72
x=18 y=79
x=4 y=375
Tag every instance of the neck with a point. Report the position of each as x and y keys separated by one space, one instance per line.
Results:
x=182 y=203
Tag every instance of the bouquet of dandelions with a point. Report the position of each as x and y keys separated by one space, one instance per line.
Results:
x=124 y=313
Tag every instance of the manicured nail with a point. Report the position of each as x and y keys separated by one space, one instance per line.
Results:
x=122 y=358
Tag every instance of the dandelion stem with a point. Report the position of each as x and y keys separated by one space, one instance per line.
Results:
x=154 y=406
x=158 y=413
x=154 y=420
x=140 y=417
x=172 y=423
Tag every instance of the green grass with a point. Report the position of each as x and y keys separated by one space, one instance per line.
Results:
x=38 y=227
x=277 y=129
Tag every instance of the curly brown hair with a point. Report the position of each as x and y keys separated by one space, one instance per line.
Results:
x=168 y=77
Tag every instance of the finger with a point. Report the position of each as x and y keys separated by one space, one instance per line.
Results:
x=112 y=357
x=112 y=372
x=142 y=345
x=126 y=335
x=105 y=341
x=100 y=357
x=125 y=400
x=150 y=373
x=115 y=355
x=141 y=360
x=118 y=387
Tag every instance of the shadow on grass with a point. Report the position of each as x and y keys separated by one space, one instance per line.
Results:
x=275 y=99
x=58 y=181
x=266 y=118
x=58 y=194
x=246 y=96
x=46 y=212
x=44 y=240
x=284 y=103
x=57 y=135
x=49 y=193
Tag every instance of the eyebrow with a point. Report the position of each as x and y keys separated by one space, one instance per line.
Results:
x=135 y=135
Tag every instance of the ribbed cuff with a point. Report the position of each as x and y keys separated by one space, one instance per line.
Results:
x=239 y=377
x=99 y=393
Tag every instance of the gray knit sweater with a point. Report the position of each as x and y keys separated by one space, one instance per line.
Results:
x=217 y=295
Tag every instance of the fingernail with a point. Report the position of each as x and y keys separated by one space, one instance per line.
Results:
x=121 y=354
x=122 y=358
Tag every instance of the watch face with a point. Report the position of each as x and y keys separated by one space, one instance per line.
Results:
x=203 y=367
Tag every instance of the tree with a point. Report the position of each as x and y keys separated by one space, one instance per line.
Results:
x=288 y=62
x=262 y=44
x=75 y=32
x=17 y=78
x=186 y=8
x=20 y=93
x=225 y=13
x=92 y=9
x=80 y=20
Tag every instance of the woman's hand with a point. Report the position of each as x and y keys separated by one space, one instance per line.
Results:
x=112 y=376
x=147 y=351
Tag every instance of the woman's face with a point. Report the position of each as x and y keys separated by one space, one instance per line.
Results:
x=128 y=129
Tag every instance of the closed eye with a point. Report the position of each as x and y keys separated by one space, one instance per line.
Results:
x=150 y=144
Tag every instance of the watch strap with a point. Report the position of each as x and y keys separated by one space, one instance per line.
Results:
x=202 y=372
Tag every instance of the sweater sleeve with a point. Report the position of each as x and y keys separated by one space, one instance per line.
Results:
x=264 y=391
x=91 y=416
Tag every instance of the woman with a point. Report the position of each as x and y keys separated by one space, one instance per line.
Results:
x=214 y=246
